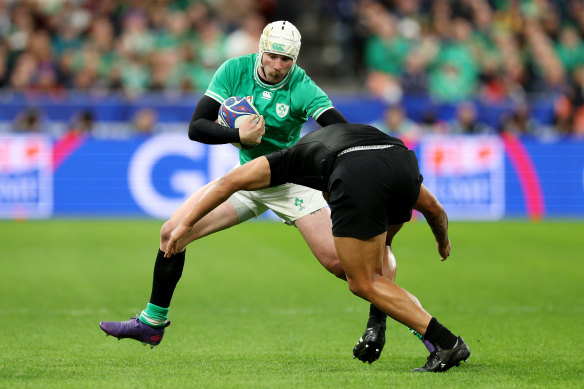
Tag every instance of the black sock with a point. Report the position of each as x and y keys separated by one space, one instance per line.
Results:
x=376 y=316
x=167 y=272
x=439 y=335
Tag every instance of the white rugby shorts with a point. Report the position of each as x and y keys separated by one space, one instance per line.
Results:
x=289 y=201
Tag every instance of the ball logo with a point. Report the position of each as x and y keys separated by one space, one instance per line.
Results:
x=234 y=109
x=230 y=116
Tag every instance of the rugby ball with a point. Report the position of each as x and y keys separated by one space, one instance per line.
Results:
x=235 y=110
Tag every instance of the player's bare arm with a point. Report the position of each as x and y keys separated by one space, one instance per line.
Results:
x=252 y=130
x=251 y=176
x=436 y=218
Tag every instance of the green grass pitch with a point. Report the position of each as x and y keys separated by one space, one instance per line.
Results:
x=255 y=310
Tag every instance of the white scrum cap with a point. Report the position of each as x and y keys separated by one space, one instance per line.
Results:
x=282 y=38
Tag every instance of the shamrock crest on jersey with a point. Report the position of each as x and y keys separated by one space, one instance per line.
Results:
x=282 y=109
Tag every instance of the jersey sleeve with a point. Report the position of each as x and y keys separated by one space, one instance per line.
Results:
x=220 y=87
x=299 y=164
x=312 y=99
x=278 y=161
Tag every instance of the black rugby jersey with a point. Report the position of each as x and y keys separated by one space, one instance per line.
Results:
x=310 y=161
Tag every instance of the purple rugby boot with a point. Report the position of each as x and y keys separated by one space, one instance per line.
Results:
x=134 y=329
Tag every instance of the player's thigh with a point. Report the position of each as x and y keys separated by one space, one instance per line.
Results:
x=362 y=259
x=316 y=230
x=291 y=202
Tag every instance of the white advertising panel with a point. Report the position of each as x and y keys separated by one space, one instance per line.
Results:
x=467 y=174
x=26 y=176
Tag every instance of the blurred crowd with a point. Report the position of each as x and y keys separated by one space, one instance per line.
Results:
x=453 y=51
x=48 y=46
x=493 y=51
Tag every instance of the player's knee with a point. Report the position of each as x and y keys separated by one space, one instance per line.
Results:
x=165 y=232
x=359 y=288
x=336 y=268
x=331 y=262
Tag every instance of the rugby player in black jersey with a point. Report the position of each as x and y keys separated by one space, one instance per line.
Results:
x=372 y=182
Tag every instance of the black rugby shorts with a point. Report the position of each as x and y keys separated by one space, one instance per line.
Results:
x=372 y=189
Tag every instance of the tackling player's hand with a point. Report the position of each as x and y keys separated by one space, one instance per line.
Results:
x=444 y=250
x=172 y=246
x=252 y=130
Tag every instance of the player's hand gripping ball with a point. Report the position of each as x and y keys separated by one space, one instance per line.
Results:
x=234 y=111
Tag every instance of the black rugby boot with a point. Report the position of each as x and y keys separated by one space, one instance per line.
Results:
x=443 y=359
x=370 y=345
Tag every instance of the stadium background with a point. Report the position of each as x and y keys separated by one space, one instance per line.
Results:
x=96 y=97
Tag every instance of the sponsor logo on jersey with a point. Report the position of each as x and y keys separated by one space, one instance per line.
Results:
x=282 y=110
x=267 y=95
x=278 y=46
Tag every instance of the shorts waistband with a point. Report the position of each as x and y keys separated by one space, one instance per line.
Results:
x=359 y=148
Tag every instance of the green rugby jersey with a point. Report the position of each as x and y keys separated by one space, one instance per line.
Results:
x=285 y=106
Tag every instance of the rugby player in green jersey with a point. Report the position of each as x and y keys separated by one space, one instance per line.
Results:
x=285 y=97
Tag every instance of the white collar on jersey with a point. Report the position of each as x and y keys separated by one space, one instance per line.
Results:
x=273 y=87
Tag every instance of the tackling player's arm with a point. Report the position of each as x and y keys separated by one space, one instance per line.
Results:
x=250 y=176
x=436 y=218
x=204 y=129
x=331 y=116
x=328 y=117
